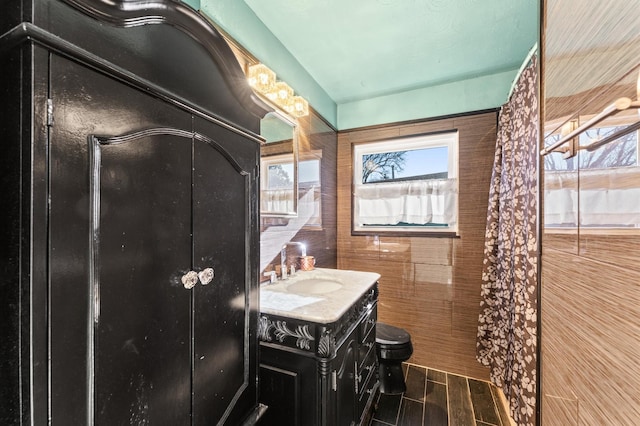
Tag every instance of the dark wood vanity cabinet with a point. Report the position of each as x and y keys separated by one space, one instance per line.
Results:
x=319 y=373
x=130 y=239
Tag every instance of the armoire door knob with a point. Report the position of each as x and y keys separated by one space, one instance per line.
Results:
x=206 y=275
x=189 y=280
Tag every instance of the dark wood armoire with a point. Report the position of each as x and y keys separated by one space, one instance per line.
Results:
x=129 y=233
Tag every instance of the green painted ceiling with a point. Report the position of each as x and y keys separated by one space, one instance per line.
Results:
x=371 y=57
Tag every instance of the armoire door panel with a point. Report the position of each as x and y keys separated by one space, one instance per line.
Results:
x=221 y=312
x=144 y=228
x=142 y=315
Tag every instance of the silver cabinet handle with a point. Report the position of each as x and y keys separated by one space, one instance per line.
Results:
x=206 y=275
x=189 y=280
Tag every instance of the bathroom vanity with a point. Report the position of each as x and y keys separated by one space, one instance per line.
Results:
x=317 y=348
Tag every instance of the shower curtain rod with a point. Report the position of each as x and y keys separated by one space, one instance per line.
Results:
x=525 y=63
x=616 y=135
x=618 y=105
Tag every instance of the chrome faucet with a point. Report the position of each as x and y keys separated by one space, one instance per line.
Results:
x=283 y=257
x=283 y=262
x=271 y=275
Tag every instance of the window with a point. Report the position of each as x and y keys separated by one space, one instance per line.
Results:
x=309 y=188
x=623 y=152
x=595 y=190
x=277 y=185
x=406 y=185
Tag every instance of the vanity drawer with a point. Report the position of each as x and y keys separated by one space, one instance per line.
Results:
x=366 y=349
x=369 y=374
x=366 y=392
x=366 y=372
x=368 y=324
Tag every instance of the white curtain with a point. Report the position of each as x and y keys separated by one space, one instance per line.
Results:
x=417 y=202
x=276 y=200
x=615 y=200
x=561 y=199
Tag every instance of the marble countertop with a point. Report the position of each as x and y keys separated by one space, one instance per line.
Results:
x=321 y=296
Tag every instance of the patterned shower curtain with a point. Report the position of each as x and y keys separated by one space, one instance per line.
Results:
x=507 y=322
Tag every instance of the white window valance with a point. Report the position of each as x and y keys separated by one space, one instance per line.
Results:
x=603 y=197
x=419 y=202
x=597 y=207
x=277 y=200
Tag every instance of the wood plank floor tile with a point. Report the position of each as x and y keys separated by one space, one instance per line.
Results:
x=388 y=408
x=502 y=411
x=484 y=407
x=438 y=398
x=410 y=413
x=437 y=376
x=416 y=378
x=460 y=408
x=435 y=406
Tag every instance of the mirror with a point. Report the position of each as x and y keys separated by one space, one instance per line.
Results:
x=278 y=166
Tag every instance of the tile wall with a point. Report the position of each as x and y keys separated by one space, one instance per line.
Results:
x=590 y=304
x=429 y=286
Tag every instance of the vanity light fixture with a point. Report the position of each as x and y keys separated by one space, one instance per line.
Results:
x=263 y=81
x=281 y=94
x=261 y=78
x=300 y=107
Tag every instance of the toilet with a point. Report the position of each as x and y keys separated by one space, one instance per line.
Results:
x=393 y=347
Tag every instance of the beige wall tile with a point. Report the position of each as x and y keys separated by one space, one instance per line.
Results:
x=361 y=247
x=590 y=335
x=622 y=249
x=432 y=251
x=559 y=411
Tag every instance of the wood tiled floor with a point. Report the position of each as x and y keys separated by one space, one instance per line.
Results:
x=436 y=398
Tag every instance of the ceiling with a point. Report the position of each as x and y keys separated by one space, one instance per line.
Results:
x=368 y=48
x=367 y=62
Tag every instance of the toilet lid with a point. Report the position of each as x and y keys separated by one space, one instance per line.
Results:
x=389 y=335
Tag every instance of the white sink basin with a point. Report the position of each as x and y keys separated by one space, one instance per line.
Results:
x=314 y=286
x=322 y=295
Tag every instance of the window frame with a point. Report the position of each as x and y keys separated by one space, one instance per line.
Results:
x=449 y=138
x=314 y=155
x=579 y=178
x=274 y=160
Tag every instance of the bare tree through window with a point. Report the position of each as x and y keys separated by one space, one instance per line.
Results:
x=620 y=153
x=382 y=166
x=278 y=177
